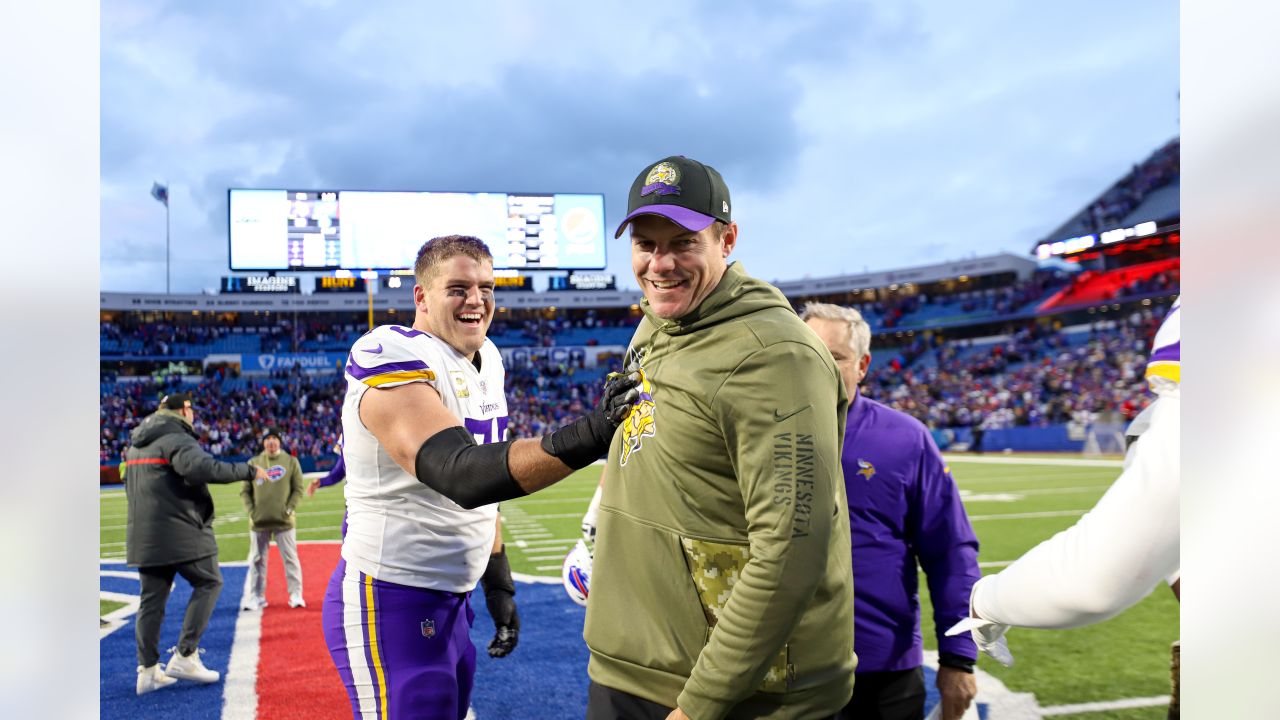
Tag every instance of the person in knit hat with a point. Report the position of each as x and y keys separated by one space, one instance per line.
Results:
x=269 y=502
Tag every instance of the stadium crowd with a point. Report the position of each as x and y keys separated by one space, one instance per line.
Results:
x=1155 y=172
x=1036 y=376
x=230 y=417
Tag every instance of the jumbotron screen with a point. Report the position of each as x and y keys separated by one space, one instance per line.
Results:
x=322 y=230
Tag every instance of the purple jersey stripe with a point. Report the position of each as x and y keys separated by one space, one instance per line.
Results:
x=1168 y=353
x=362 y=373
x=408 y=332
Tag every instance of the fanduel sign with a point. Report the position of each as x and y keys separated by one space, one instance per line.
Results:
x=266 y=362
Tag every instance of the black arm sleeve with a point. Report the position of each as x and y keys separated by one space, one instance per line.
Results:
x=499 y=589
x=451 y=463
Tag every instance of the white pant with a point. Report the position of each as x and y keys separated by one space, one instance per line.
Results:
x=259 y=544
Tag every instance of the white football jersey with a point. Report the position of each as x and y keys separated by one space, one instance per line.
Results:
x=1121 y=549
x=1164 y=367
x=398 y=529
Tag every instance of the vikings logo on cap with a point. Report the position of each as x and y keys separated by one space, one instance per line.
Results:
x=663 y=179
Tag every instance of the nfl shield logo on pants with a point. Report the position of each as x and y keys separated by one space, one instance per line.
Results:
x=428 y=628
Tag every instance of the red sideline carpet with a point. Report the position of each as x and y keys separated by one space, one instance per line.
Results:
x=296 y=679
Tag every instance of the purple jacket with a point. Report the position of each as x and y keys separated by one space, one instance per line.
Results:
x=904 y=507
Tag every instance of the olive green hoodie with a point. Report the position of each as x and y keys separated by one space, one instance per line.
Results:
x=722 y=581
x=270 y=503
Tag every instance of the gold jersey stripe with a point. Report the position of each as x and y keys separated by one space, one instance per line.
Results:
x=405 y=376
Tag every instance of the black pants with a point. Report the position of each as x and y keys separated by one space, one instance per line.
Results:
x=605 y=703
x=897 y=695
x=206 y=585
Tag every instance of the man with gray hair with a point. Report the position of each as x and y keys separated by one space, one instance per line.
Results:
x=904 y=508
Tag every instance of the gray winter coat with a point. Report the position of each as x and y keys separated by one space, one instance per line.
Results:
x=170 y=509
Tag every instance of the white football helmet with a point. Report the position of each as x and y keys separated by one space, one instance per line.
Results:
x=576 y=573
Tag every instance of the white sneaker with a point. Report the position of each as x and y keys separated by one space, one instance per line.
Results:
x=253 y=603
x=152 y=678
x=189 y=667
x=296 y=601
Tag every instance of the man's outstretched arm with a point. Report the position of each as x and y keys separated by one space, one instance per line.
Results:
x=429 y=442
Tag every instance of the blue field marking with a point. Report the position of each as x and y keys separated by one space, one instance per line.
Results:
x=546 y=677
x=124 y=586
x=190 y=701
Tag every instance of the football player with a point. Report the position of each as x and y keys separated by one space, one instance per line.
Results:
x=1120 y=550
x=424 y=423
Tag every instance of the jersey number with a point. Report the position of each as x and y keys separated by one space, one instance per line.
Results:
x=487 y=431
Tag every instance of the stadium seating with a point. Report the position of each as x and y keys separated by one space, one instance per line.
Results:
x=1092 y=287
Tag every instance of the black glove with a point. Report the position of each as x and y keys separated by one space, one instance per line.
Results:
x=500 y=598
x=583 y=441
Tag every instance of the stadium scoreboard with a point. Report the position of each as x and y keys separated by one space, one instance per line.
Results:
x=324 y=230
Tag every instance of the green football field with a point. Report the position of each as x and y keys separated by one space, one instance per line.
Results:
x=1013 y=506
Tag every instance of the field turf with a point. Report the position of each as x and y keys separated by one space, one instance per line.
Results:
x=1012 y=506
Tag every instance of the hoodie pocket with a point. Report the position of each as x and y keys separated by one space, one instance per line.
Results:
x=714 y=569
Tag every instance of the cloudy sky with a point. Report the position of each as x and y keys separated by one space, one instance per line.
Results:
x=852 y=135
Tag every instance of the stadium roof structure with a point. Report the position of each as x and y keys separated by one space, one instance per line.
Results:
x=1159 y=204
x=402 y=299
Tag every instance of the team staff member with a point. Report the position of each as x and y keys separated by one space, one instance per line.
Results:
x=424 y=427
x=1120 y=550
x=722 y=583
x=170 y=532
x=270 y=505
x=904 y=509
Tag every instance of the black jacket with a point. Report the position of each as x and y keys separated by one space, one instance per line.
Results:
x=170 y=509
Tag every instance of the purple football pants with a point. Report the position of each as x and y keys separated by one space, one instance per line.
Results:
x=403 y=652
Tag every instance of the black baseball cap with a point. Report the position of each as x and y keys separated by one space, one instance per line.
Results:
x=176 y=401
x=272 y=432
x=680 y=189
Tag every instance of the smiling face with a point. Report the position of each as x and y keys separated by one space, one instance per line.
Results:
x=677 y=269
x=456 y=305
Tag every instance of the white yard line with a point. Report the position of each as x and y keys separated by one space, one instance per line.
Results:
x=539 y=500
x=119 y=617
x=1159 y=700
x=240 y=688
x=1062 y=491
x=126 y=574
x=1071 y=462
x=1038 y=476
x=538 y=579
x=1028 y=515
